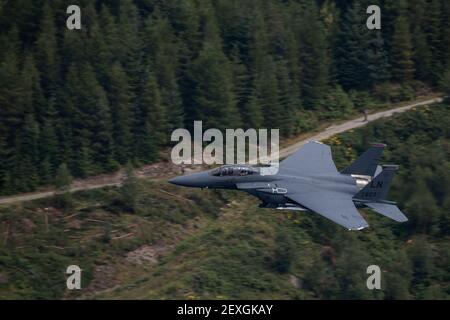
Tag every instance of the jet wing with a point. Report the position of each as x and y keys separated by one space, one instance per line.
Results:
x=335 y=206
x=388 y=210
x=313 y=157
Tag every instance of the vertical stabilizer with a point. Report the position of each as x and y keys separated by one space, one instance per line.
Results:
x=378 y=188
x=366 y=164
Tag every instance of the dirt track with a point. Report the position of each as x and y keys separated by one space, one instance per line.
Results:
x=159 y=170
x=352 y=124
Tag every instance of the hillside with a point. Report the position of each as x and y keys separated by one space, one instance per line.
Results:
x=111 y=93
x=149 y=239
x=163 y=169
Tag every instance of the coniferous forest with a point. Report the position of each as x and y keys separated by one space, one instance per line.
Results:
x=138 y=242
x=111 y=93
x=78 y=103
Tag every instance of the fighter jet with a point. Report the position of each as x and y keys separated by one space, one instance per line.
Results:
x=308 y=180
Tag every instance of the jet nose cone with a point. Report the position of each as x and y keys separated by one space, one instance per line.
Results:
x=179 y=181
x=196 y=180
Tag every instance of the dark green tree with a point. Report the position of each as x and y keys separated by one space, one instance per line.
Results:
x=352 y=49
x=433 y=26
x=285 y=252
x=378 y=66
x=402 y=63
x=151 y=127
x=63 y=181
x=313 y=56
x=444 y=84
x=422 y=54
x=120 y=101
x=130 y=189
x=47 y=50
x=162 y=54
x=212 y=96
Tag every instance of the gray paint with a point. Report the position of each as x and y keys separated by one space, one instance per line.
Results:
x=309 y=180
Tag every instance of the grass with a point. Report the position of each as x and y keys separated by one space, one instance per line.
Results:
x=219 y=245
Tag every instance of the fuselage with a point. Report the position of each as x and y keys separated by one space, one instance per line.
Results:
x=270 y=189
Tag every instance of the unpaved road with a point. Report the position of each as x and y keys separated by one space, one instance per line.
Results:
x=155 y=170
x=352 y=124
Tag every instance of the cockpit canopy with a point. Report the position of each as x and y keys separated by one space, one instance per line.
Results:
x=233 y=171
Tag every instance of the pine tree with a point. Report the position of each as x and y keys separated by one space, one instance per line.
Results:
x=102 y=141
x=398 y=283
x=352 y=282
x=74 y=48
x=352 y=48
x=314 y=56
x=186 y=20
x=433 y=25
x=252 y=110
x=33 y=96
x=444 y=84
x=162 y=54
x=32 y=102
x=258 y=47
x=212 y=94
x=99 y=45
x=242 y=85
x=285 y=252
x=156 y=113
x=104 y=37
x=391 y=10
x=129 y=45
x=91 y=125
x=252 y=114
x=46 y=171
x=269 y=96
x=445 y=46
x=82 y=162
x=287 y=99
x=63 y=181
x=378 y=66
x=120 y=101
x=151 y=127
x=11 y=110
x=130 y=190
x=336 y=103
x=27 y=155
x=49 y=151
x=422 y=207
x=47 y=51
x=421 y=257
x=422 y=55
x=402 y=64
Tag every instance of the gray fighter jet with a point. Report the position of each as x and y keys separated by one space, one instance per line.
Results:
x=308 y=180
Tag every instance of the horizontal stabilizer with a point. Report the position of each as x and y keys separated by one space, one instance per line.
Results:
x=389 y=210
